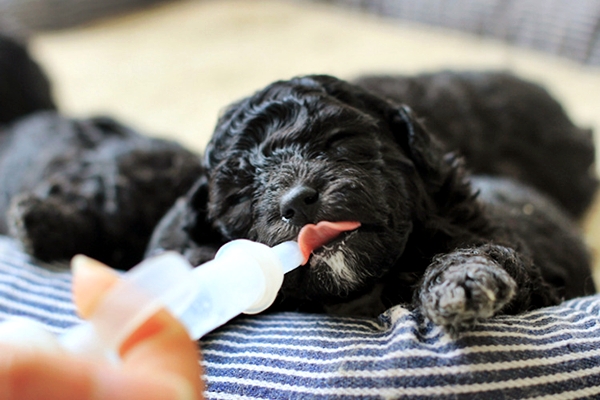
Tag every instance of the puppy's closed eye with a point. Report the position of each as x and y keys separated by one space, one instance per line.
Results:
x=239 y=198
x=338 y=138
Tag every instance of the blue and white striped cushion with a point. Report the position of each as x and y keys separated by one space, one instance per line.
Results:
x=553 y=353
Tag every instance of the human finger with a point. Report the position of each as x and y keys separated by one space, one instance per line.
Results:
x=33 y=375
x=159 y=347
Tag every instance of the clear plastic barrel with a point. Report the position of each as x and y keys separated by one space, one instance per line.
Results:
x=244 y=277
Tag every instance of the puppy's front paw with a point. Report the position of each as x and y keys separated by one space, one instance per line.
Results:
x=50 y=229
x=459 y=295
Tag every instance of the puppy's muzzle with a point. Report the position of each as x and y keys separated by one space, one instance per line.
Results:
x=299 y=205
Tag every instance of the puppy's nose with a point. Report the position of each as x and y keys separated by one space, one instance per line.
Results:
x=299 y=205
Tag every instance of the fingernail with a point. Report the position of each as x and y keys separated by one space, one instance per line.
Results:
x=91 y=279
x=81 y=263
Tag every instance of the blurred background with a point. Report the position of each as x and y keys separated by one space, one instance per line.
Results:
x=169 y=67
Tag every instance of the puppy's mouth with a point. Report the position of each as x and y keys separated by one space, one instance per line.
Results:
x=312 y=237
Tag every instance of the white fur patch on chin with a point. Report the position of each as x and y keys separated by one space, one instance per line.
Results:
x=337 y=261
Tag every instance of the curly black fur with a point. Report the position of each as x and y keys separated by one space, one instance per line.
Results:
x=515 y=129
x=461 y=248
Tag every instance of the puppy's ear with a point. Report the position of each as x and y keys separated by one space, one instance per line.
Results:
x=444 y=188
x=426 y=152
x=185 y=228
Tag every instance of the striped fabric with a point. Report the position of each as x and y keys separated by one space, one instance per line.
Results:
x=552 y=353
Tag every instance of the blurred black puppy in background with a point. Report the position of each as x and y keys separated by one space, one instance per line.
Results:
x=405 y=220
x=24 y=87
x=72 y=186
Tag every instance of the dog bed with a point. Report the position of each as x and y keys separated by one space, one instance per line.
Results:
x=552 y=353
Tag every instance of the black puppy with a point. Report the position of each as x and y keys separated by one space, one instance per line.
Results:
x=70 y=186
x=461 y=248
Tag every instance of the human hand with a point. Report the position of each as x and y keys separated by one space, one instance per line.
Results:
x=159 y=360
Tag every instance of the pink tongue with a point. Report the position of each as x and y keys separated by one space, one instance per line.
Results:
x=312 y=236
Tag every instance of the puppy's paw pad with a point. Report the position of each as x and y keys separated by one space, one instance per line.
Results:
x=463 y=294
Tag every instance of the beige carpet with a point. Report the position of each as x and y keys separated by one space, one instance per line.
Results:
x=170 y=69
